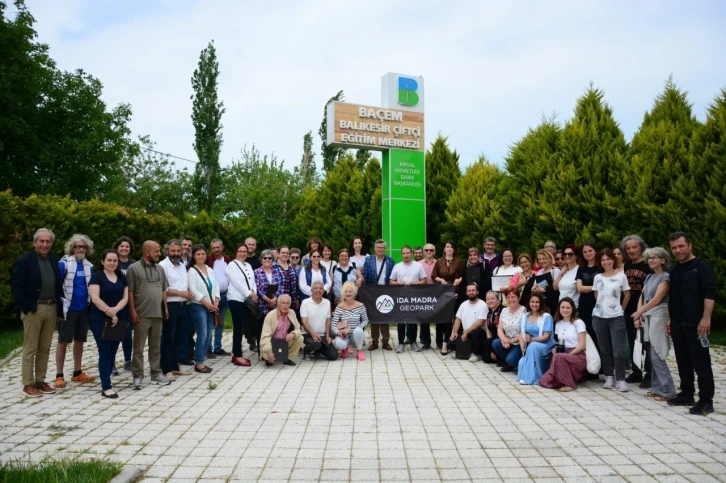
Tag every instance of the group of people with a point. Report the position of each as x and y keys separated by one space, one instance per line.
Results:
x=535 y=318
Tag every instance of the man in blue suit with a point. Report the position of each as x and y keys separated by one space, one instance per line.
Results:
x=377 y=271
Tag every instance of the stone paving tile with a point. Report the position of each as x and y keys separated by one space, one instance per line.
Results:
x=396 y=417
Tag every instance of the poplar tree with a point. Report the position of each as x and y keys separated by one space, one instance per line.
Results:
x=207 y=112
x=308 y=169
x=442 y=176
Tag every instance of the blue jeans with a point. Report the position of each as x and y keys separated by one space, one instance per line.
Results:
x=510 y=356
x=218 y=331
x=106 y=353
x=203 y=323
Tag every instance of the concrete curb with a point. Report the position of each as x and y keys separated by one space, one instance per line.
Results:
x=127 y=475
x=11 y=356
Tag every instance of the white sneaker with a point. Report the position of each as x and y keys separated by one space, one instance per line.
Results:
x=521 y=381
x=170 y=376
x=161 y=380
x=622 y=386
x=474 y=358
x=415 y=347
x=401 y=349
x=609 y=382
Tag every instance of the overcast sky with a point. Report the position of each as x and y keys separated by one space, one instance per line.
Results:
x=492 y=70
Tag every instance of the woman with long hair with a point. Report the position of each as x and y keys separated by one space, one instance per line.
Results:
x=204 y=304
x=566 y=281
x=326 y=259
x=543 y=283
x=124 y=246
x=536 y=341
x=521 y=280
x=448 y=270
x=568 y=367
x=242 y=287
x=357 y=254
x=585 y=278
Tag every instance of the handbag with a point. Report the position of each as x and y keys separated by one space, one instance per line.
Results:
x=250 y=304
x=115 y=333
x=592 y=355
x=217 y=318
x=639 y=350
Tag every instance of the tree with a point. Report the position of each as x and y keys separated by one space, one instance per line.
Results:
x=361 y=158
x=330 y=154
x=259 y=189
x=207 y=112
x=56 y=134
x=442 y=176
x=308 y=170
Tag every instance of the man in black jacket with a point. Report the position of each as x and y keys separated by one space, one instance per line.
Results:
x=36 y=286
x=693 y=290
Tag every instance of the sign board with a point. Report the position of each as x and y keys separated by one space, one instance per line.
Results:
x=391 y=304
x=400 y=91
x=374 y=128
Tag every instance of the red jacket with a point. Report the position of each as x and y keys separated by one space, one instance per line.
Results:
x=211 y=259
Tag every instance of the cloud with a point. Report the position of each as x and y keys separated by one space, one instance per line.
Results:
x=491 y=70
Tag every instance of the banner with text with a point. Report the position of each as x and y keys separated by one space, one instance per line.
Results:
x=391 y=304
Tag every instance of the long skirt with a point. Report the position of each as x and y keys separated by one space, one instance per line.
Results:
x=566 y=370
x=535 y=362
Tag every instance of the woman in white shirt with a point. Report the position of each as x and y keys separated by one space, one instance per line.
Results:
x=313 y=271
x=327 y=259
x=204 y=304
x=506 y=269
x=356 y=252
x=608 y=319
x=566 y=281
x=241 y=287
x=568 y=367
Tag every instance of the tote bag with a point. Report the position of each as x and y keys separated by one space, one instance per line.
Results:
x=592 y=356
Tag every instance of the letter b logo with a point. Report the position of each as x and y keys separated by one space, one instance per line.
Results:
x=407 y=88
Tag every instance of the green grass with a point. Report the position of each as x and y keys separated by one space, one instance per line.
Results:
x=11 y=335
x=717 y=337
x=70 y=471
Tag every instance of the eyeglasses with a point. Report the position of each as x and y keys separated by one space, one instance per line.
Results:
x=80 y=247
x=315 y=256
x=569 y=254
x=295 y=257
x=428 y=249
x=267 y=258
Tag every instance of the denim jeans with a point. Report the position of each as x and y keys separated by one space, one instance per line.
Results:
x=169 y=339
x=218 y=331
x=611 y=337
x=510 y=356
x=203 y=323
x=106 y=353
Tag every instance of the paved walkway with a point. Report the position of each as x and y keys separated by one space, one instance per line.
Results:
x=412 y=416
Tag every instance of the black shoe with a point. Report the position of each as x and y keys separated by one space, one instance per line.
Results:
x=114 y=372
x=289 y=363
x=186 y=362
x=210 y=355
x=115 y=396
x=426 y=347
x=702 y=408
x=253 y=347
x=682 y=400
x=634 y=378
x=506 y=368
x=500 y=363
x=222 y=352
x=646 y=382
x=268 y=363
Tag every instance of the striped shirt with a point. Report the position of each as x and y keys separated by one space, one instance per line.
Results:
x=356 y=317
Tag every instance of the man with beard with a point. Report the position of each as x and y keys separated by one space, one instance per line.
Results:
x=407 y=273
x=418 y=254
x=75 y=273
x=186 y=247
x=147 y=304
x=173 y=337
x=252 y=258
x=469 y=323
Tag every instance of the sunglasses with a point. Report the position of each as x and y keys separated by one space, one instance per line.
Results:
x=267 y=258
x=315 y=256
x=294 y=257
x=569 y=254
x=429 y=250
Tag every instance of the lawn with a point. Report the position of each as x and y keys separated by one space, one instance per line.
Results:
x=69 y=471
x=11 y=335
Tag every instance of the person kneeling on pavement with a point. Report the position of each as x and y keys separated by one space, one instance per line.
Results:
x=281 y=323
x=315 y=315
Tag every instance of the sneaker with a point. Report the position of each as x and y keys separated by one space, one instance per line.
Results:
x=474 y=358
x=44 y=388
x=401 y=349
x=344 y=354
x=59 y=383
x=222 y=352
x=425 y=347
x=646 y=382
x=361 y=356
x=634 y=378
x=137 y=383
x=682 y=399
x=702 y=408
x=415 y=347
x=170 y=376
x=609 y=382
x=521 y=381
x=83 y=377
x=114 y=372
x=31 y=391
x=127 y=365
x=161 y=380
x=622 y=386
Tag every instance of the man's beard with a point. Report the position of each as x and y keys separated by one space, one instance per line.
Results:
x=80 y=257
x=473 y=297
x=175 y=259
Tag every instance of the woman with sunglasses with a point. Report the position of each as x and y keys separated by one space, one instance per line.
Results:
x=313 y=271
x=265 y=276
x=295 y=256
x=566 y=281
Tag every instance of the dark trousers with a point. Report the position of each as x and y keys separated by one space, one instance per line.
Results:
x=106 y=353
x=239 y=316
x=128 y=344
x=170 y=343
x=443 y=332
x=690 y=357
x=382 y=330
x=191 y=331
x=326 y=350
x=407 y=333
x=425 y=333
x=632 y=336
x=477 y=336
x=486 y=349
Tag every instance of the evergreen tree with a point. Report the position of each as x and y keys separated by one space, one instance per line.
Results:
x=329 y=154
x=361 y=158
x=474 y=209
x=442 y=176
x=308 y=170
x=658 y=157
x=207 y=112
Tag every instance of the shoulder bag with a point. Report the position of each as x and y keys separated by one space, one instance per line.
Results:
x=250 y=304
x=217 y=318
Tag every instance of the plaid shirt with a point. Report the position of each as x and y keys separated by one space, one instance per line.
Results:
x=262 y=284
x=289 y=283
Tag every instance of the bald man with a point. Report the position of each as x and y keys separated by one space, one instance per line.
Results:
x=147 y=306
